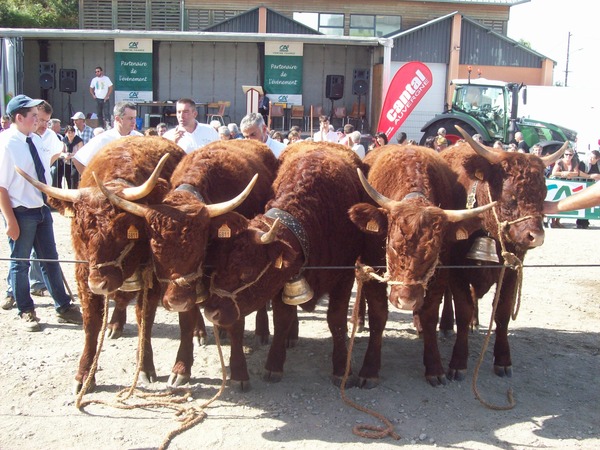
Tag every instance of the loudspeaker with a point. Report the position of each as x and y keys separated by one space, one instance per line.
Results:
x=67 y=80
x=47 y=75
x=334 y=87
x=360 y=83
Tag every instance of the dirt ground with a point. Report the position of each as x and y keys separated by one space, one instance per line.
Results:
x=555 y=349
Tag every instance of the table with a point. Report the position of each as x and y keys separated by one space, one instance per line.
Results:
x=150 y=105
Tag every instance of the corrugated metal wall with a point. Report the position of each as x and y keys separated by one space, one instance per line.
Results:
x=481 y=46
x=430 y=44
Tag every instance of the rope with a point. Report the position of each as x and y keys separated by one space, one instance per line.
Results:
x=374 y=432
x=184 y=280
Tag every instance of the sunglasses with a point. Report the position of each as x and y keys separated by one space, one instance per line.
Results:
x=568 y=154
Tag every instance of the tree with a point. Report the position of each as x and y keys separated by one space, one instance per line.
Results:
x=39 y=13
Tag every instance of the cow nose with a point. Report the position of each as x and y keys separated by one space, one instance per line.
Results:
x=536 y=238
x=98 y=287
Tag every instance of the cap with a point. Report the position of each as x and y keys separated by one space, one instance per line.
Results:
x=21 y=101
x=78 y=115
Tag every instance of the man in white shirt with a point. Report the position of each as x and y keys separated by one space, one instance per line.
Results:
x=101 y=87
x=125 y=114
x=253 y=127
x=190 y=134
x=51 y=143
x=325 y=134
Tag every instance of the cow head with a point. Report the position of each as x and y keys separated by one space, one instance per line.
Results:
x=415 y=232
x=258 y=259
x=178 y=230
x=113 y=242
x=516 y=181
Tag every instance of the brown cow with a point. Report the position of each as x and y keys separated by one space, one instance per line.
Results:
x=516 y=182
x=413 y=186
x=113 y=242
x=306 y=224
x=179 y=227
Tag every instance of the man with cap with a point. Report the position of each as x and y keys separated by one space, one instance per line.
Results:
x=28 y=219
x=125 y=114
x=82 y=129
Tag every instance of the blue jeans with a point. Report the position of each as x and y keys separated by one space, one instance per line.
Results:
x=103 y=111
x=36 y=280
x=36 y=231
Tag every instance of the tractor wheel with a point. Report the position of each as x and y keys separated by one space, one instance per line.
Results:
x=452 y=133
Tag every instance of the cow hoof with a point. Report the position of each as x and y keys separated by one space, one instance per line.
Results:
x=291 y=343
x=177 y=380
x=77 y=385
x=114 y=333
x=456 y=374
x=240 y=386
x=503 y=371
x=368 y=383
x=436 y=380
x=261 y=339
x=147 y=378
x=360 y=328
x=272 y=377
x=351 y=381
x=201 y=340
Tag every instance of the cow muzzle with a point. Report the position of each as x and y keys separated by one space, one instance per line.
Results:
x=407 y=297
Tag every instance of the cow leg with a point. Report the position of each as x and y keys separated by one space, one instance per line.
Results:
x=337 y=319
x=182 y=369
x=463 y=303
x=261 y=330
x=292 y=338
x=148 y=372
x=447 y=319
x=117 y=320
x=362 y=313
x=92 y=309
x=375 y=294
x=428 y=315
x=283 y=320
x=200 y=329
x=237 y=359
x=502 y=359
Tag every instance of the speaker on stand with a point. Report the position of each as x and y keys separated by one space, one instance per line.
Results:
x=334 y=89
x=68 y=84
x=360 y=87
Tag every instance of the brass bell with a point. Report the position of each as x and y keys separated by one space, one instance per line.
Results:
x=133 y=283
x=297 y=291
x=484 y=249
x=201 y=292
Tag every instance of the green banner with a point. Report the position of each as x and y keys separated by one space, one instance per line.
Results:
x=283 y=71
x=133 y=70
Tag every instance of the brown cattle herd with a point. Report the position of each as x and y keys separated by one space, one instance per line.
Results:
x=223 y=231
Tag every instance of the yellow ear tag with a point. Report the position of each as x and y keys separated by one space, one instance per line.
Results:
x=461 y=234
x=372 y=226
x=479 y=174
x=132 y=232
x=224 y=232
x=279 y=261
x=69 y=213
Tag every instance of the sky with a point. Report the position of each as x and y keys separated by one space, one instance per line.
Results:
x=546 y=25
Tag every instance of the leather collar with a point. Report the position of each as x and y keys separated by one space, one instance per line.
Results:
x=191 y=189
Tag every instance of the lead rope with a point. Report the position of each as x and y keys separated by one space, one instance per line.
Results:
x=176 y=399
x=511 y=261
x=376 y=432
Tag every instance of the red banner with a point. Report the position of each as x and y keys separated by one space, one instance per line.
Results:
x=407 y=88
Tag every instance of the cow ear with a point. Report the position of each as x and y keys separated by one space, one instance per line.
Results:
x=369 y=219
x=227 y=225
x=282 y=254
x=459 y=231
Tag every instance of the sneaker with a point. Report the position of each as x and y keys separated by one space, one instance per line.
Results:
x=30 y=321
x=8 y=303
x=70 y=315
x=38 y=292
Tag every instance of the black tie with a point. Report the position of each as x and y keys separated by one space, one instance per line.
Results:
x=37 y=162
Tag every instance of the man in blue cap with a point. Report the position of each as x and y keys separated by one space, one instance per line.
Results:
x=28 y=219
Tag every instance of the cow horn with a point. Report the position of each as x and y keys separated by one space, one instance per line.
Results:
x=380 y=199
x=224 y=207
x=138 y=192
x=124 y=204
x=490 y=155
x=269 y=236
x=551 y=159
x=66 y=195
x=456 y=215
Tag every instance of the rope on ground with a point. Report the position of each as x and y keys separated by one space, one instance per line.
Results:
x=375 y=432
x=176 y=399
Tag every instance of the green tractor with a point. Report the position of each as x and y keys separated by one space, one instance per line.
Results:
x=490 y=108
